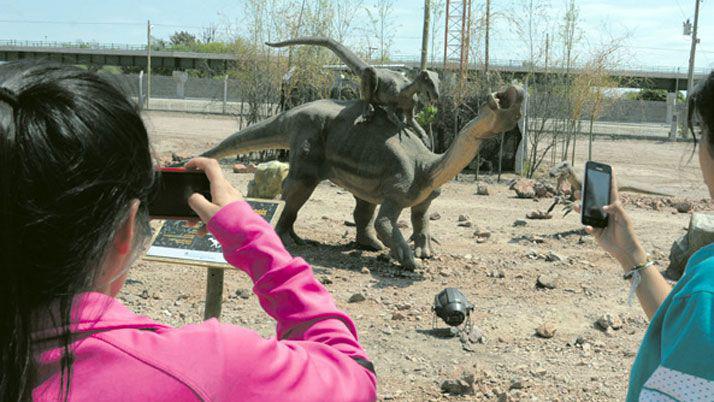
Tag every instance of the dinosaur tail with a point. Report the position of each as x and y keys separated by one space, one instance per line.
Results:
x=267 y=134
x=346 y=55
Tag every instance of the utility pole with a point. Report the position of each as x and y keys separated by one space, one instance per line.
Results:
x=425 y=34
x=692 y=53
x=148 y=62
x=486 y=39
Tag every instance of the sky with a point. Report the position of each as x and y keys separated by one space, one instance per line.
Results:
x=649 y=31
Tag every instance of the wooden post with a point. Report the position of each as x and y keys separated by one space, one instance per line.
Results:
x=225 y=93
x=214 y=293
x=425 y=34
x=500 y=156
x=141 y=90
x=692 y=54
x=487 y=38
x=148 y=62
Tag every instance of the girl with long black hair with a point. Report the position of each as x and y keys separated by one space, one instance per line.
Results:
x=75 y=174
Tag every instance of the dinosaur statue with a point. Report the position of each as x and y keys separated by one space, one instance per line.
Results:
x=564 y=172
x=381 y=87
x=372 y=161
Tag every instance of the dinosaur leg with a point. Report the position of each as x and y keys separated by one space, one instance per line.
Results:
x=421 y=236
x=395 y=118
x=391 y=236
x=295 y=193
x=364 y=220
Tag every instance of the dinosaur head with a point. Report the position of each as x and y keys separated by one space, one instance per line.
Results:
x=560 y=170
x=502 y=110
x=429 y=81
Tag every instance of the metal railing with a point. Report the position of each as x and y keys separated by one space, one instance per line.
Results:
x=70 y=45
x=411 y=60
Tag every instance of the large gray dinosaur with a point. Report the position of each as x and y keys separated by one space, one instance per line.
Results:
x=381 y=87
x=372 y=161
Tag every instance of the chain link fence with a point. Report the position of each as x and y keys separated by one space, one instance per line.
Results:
x=180 y=93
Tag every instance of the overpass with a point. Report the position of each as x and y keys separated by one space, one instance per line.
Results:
x=122 y=55
x=112 y=55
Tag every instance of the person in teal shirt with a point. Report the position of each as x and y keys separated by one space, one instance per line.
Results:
x=676 y=358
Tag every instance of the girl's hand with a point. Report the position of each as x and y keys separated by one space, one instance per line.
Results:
x=619 y=238
x=222 y=192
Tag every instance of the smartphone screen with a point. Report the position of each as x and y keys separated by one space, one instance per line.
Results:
x=596 y=194
x=169 y=198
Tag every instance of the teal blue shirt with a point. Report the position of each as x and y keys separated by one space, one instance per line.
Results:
x=676 y=359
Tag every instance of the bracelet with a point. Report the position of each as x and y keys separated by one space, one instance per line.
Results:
x=634 y=273
x=637 y=268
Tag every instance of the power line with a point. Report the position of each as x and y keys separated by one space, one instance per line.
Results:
x=48 y=22
x=681 y=10
x=69 y=22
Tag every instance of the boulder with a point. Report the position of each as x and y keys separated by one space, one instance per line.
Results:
x=538 y=214
x=543 y=189
x=241 y=168
x=482 y=189
x=268 y=180
x=678 y=256
x=546 y=330
x=700 y=234
x=524 y=188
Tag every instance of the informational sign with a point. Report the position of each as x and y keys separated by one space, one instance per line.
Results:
x=185 y=242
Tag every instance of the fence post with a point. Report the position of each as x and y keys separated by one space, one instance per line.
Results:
x=214 y=293
x=522 y=151
x=225 y=93
x=500 y=156
x=672 y=115
x=141 y=90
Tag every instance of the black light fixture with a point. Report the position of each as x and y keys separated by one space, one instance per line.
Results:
x=452 y=306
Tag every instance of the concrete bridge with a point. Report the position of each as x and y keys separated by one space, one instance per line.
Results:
x=112 y=55
x=669 y=79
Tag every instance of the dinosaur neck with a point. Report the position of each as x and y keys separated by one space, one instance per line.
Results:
x=461 y=152
x=575 y=184
x=410 y=89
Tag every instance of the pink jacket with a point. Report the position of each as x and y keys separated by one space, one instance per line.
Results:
x=315 y=356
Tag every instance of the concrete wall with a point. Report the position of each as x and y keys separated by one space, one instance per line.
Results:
x=621 y=111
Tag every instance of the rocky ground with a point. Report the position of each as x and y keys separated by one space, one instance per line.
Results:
x=550 y=322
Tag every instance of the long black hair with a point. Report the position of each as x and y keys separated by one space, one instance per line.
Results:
x=74 y=152
x=701 y=109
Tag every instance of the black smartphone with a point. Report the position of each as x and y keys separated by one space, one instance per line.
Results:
x=596 y=194
x=169 y=198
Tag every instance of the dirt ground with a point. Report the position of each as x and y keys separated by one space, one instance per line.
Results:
x=395 y=323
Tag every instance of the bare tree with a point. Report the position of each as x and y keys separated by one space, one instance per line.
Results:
x=209 y=33
x=383 y=25
x=346 y=13
x=570 y=35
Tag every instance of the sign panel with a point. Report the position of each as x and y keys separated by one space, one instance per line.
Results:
x=189 y=243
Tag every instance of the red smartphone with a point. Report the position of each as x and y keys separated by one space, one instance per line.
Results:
x=169 y=198
x=596 y=194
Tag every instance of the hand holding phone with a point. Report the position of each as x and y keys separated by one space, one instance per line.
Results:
x=617 y=236
x=596 y=194
x=222 y=192
x=197 y=191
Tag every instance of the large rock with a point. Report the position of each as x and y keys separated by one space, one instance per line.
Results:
x=268 y=180
x=524 y=188
x=700 y=234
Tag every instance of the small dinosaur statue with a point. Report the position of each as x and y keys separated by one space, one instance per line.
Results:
x=564 y=172
x=381 y=87
x=372 y=161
